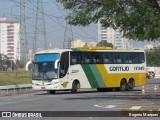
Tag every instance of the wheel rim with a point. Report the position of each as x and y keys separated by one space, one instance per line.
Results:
x=75 y=87
x=123 y=86
x=130 y=85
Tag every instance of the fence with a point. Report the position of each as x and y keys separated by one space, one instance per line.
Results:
x=15 y=89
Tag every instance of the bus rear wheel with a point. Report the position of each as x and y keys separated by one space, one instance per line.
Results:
x=75 y=87
x=131 y=85
x=123 y=85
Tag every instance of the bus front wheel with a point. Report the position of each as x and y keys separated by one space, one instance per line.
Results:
x=75 y=86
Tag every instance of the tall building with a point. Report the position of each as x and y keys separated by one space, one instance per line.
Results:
x=112 y=36
x=9 y=38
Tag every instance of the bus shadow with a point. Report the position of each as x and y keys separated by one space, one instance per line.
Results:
x=80 y=92
x=65 y=92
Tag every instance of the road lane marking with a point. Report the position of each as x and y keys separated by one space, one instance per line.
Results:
x=108 y=106
x=130 y=107
x=135 y=107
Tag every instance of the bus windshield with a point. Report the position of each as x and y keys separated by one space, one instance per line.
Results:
x=44 y=70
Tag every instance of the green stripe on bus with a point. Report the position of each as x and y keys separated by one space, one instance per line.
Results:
x=90 y=76
x=97 y=75
x=79 y=50
x=74 y=49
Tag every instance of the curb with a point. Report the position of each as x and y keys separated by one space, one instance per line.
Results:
x=15 y=89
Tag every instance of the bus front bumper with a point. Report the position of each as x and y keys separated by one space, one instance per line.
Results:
x=45 y=87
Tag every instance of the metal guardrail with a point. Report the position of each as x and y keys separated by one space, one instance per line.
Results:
x=15 y=89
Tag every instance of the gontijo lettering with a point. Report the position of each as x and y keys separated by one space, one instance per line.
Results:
x=119 y=68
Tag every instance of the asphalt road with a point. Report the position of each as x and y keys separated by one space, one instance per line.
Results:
x=86 y=100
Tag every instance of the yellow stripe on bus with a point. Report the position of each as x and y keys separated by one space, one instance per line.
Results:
x=113 y=80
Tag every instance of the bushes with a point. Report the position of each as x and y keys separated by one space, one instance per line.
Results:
x=15 y=78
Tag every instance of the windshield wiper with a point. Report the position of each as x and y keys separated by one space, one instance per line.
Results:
x=38 y=76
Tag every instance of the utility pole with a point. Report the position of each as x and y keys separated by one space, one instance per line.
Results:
x=40 y=26
x=23 y=43
x=23 y=34
x=68 y=36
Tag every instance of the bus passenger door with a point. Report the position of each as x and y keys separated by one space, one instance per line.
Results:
x=64 y=65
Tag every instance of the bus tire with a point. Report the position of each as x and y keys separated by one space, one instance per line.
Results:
x=52 y=92
x=75 y=86
x=123 y=85
x=130 y=85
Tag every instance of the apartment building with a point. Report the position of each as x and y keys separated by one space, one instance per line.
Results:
x=10 y=38
x=112 y=36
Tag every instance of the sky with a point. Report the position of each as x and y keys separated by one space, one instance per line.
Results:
x=55 y=24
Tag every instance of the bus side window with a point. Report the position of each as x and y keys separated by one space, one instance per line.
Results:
x=93 y=58
x=79 y=58
x=86 y=58
x=117 y=58
x=99 y=58
x=73 y=61
x=125 y=58
x=130 y=59
x=141 y=58
x=135 y=58
x=106 y=58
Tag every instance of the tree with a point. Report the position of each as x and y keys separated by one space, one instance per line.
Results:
x=104 y=43
x=20 y=64
x=138 y=19
x=153 y=57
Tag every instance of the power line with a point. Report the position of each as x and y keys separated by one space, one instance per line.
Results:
x=61 y=24
x=23 y=33
x=56 y=19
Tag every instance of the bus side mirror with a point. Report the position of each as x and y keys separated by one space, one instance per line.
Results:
x=27 y=65
x=56 y=64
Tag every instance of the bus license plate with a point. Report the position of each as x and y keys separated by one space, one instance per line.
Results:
x=43 y=88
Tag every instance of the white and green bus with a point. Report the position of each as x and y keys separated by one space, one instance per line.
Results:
x=88 y=67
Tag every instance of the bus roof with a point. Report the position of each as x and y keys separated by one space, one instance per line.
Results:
x=53 y=51
x=94 y=48
x=105 y=49
x=89 y=49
